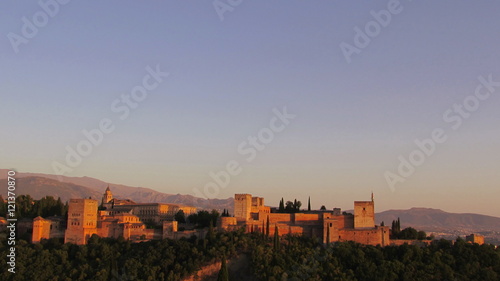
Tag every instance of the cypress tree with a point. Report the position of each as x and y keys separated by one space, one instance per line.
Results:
x=223 y=273
x=211 y=233
x=267 y=226
x=309 y=204
x=276 y=238
x=327 y=235
x=282 y=206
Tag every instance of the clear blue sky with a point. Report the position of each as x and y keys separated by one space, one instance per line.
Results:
x=352 y=121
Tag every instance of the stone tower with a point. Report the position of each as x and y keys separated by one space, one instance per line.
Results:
x=107 y=196
x=364 y=214
x=82 y=221
x=41 y=229
x=242 y=206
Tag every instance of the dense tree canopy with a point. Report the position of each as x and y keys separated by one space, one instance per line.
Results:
x=27 y=207
x=271 y=257
x=306 y=259
x=203 y=218
x=289 y=206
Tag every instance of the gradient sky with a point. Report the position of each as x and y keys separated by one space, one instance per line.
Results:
x=353 y=120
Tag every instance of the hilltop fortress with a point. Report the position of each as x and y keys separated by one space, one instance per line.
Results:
x=125 y=218
x=113 y=218
x=329 y=226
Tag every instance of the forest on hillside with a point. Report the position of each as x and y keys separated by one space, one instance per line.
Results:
x=271 y=258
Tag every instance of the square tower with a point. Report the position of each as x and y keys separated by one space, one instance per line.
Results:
x=242 y=206
x=82 y=221
x=364 y=214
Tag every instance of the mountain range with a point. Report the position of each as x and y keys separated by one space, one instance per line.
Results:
x=438 y=222
x=39 y=185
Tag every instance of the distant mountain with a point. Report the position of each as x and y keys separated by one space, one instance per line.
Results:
x=437 y=220
x=84 y=187
x=38 y=187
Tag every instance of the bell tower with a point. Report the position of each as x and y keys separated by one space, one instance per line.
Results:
x=107 y=197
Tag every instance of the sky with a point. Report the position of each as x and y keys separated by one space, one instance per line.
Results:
x=220 y=72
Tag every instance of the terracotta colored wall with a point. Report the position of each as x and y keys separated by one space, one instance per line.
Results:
x=376 y=236
x=41 y=230
x=364 y=214
x=242 y=206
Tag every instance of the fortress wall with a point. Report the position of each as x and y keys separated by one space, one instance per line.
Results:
x=226 y=222
x=275 y=218
x=284 y=229
x=301 y=217
x=375 y=236
x=348 y=221
x=420 y=243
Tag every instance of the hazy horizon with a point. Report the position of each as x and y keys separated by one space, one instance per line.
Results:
x=233 y=75
x=315 y=203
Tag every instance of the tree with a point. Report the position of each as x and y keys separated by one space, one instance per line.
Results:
x=225 y=213
x=203 y=218
x=323 y=208
x=276 y=241
x=281 y=208
x=328 y=236
x=396 y=228
x=267 y=226
x=211 y=233
x=293 y=207
x=309 y=204
x=223 y=273
x=296 y=206
x=180 y=217
x=382 y=223
x=421 y=235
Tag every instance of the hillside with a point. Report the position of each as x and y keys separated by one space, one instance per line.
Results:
x=38 y=187
x=80 y=187
x=438 y=220
x=443 y=224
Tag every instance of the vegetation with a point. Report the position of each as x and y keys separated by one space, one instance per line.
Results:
x=180 y=216
x=271 y=258
x=408 y=233
x=289 y=206
x=204 y=218
x=302 y=258
x=27 y=207
x=223 y=273
x=225 y=213
x=117 y=259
